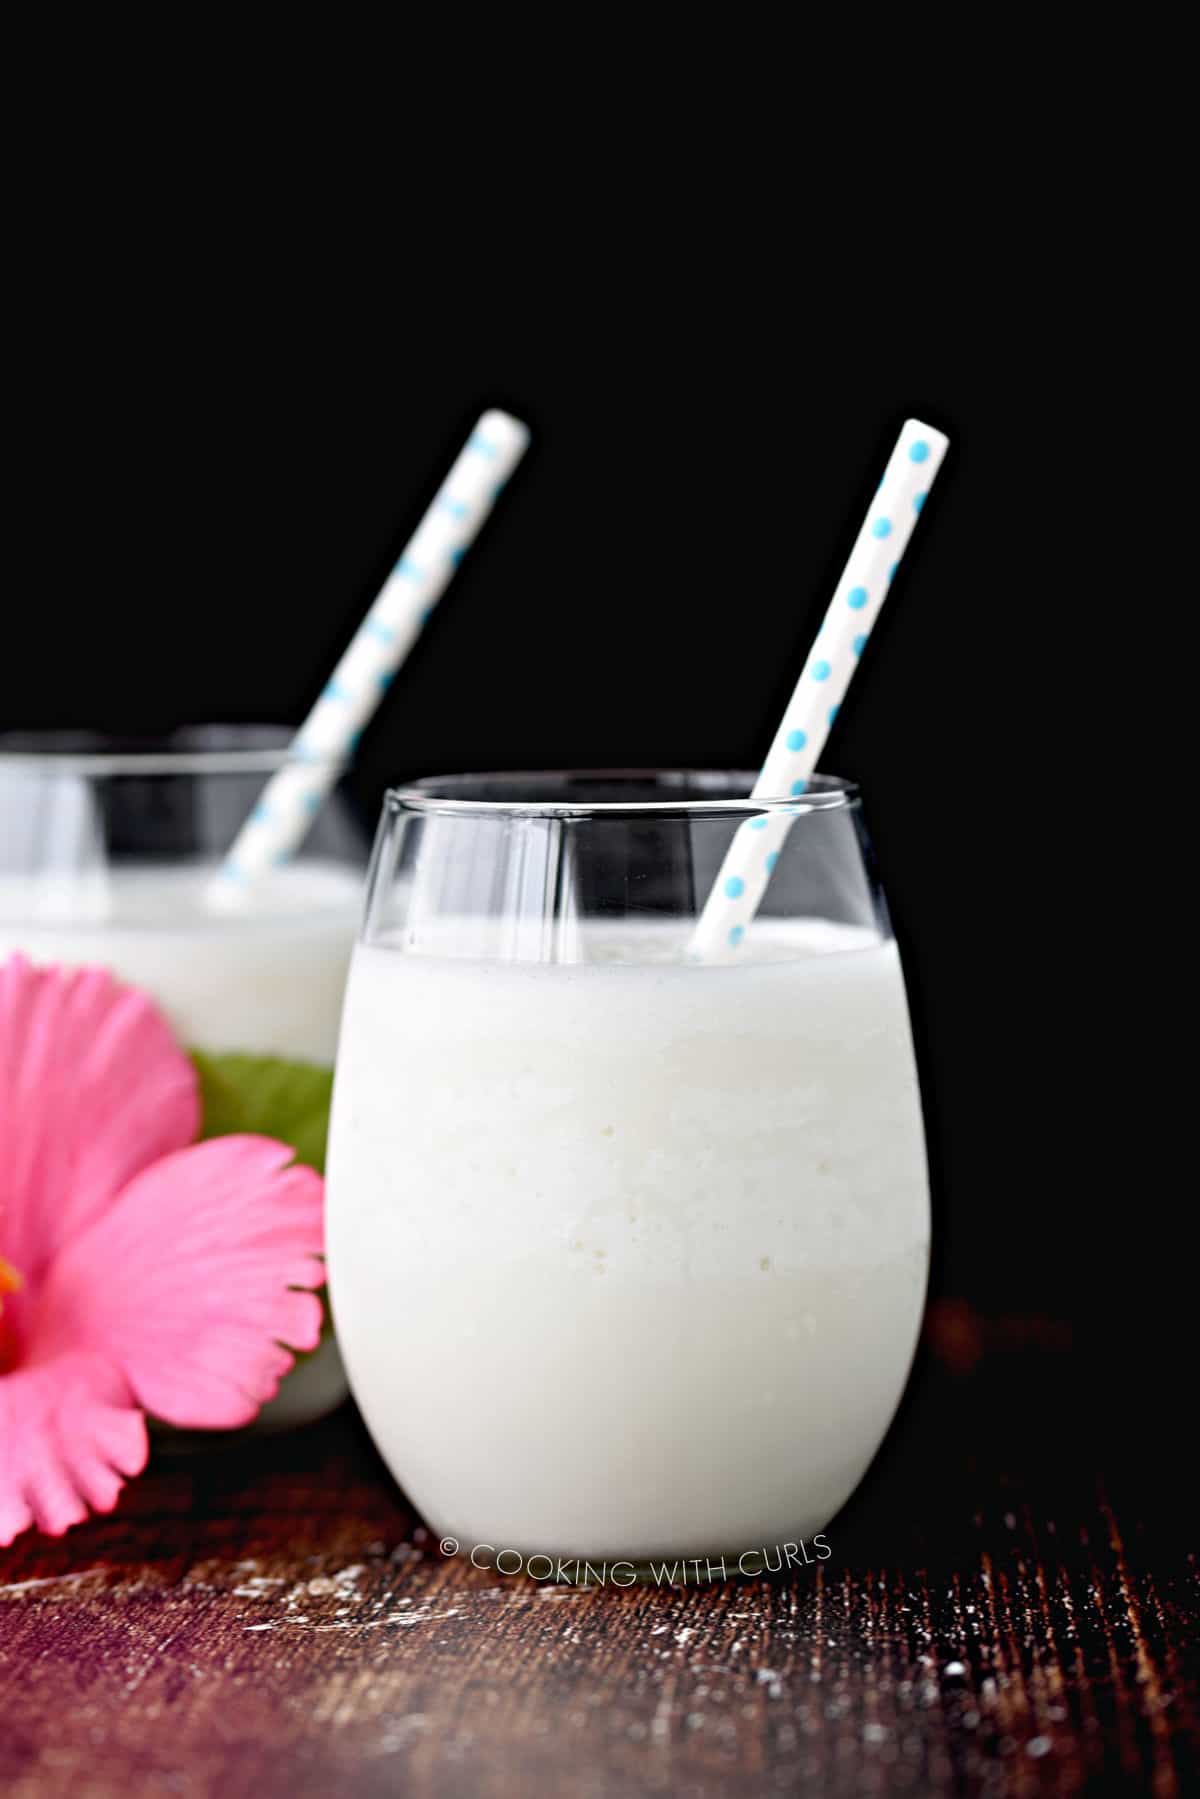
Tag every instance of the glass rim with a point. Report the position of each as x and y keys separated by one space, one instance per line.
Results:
x=192 y=750
x=437 y=794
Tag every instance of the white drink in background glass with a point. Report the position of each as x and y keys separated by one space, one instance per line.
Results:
x=627 y=1254
x=266 y=980
x=106 y=857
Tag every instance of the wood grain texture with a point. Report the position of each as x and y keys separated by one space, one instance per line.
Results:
x=275 y=1621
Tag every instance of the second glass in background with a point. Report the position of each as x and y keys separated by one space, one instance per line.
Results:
x=107 y=848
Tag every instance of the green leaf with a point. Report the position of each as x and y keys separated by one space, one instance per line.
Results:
x=269 y=1097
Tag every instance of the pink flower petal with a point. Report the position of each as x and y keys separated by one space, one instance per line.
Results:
x=186 y=1280
x=93 y=1088
x=70 y=1433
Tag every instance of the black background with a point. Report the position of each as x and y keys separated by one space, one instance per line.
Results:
x=219 y=465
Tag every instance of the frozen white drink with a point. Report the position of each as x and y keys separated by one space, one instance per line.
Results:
x=628 y=1255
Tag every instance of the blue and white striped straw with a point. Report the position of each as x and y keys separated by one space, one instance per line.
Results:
x=793 y=756
x=293 y=797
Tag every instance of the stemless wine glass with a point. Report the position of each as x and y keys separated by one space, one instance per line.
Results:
x=106 y=848
x=627 y=1252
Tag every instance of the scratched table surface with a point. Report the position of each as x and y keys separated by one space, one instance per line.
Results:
x=1009 y=1606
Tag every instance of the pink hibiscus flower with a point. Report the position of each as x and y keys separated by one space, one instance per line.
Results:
x=138 y=1274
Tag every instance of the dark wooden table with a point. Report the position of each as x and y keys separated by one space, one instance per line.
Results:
x=1009 y=1608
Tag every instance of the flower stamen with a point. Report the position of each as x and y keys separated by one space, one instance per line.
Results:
x=10 y=1282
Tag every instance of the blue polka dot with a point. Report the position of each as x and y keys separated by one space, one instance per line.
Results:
x=385 y=680
x=261 y=813
x=799 y=786
x=312 y=803
x=455 y=508
x=736 y=934
x=335 y=691
x=918 y=501
x=758 y=824
x=734 y=887
x=406 y=566
x=860 y=643
x=892 y=571
x=919 y=451
x=821 y=671
x=354 y=739
x=882 y=528
x=456 y=556
x=484 y=447
x=796 y=740
x=377 y=629
x=833 y=712
x=424 y=615
x=857 y=598
x=772 y=859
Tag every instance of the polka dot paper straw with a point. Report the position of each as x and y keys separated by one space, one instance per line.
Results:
x=293 y=797
x=827 y=674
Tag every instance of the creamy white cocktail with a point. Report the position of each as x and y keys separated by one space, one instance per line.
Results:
x=628 y=1255
x=108 y=859
x=628 y=1212
x=264 y=980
